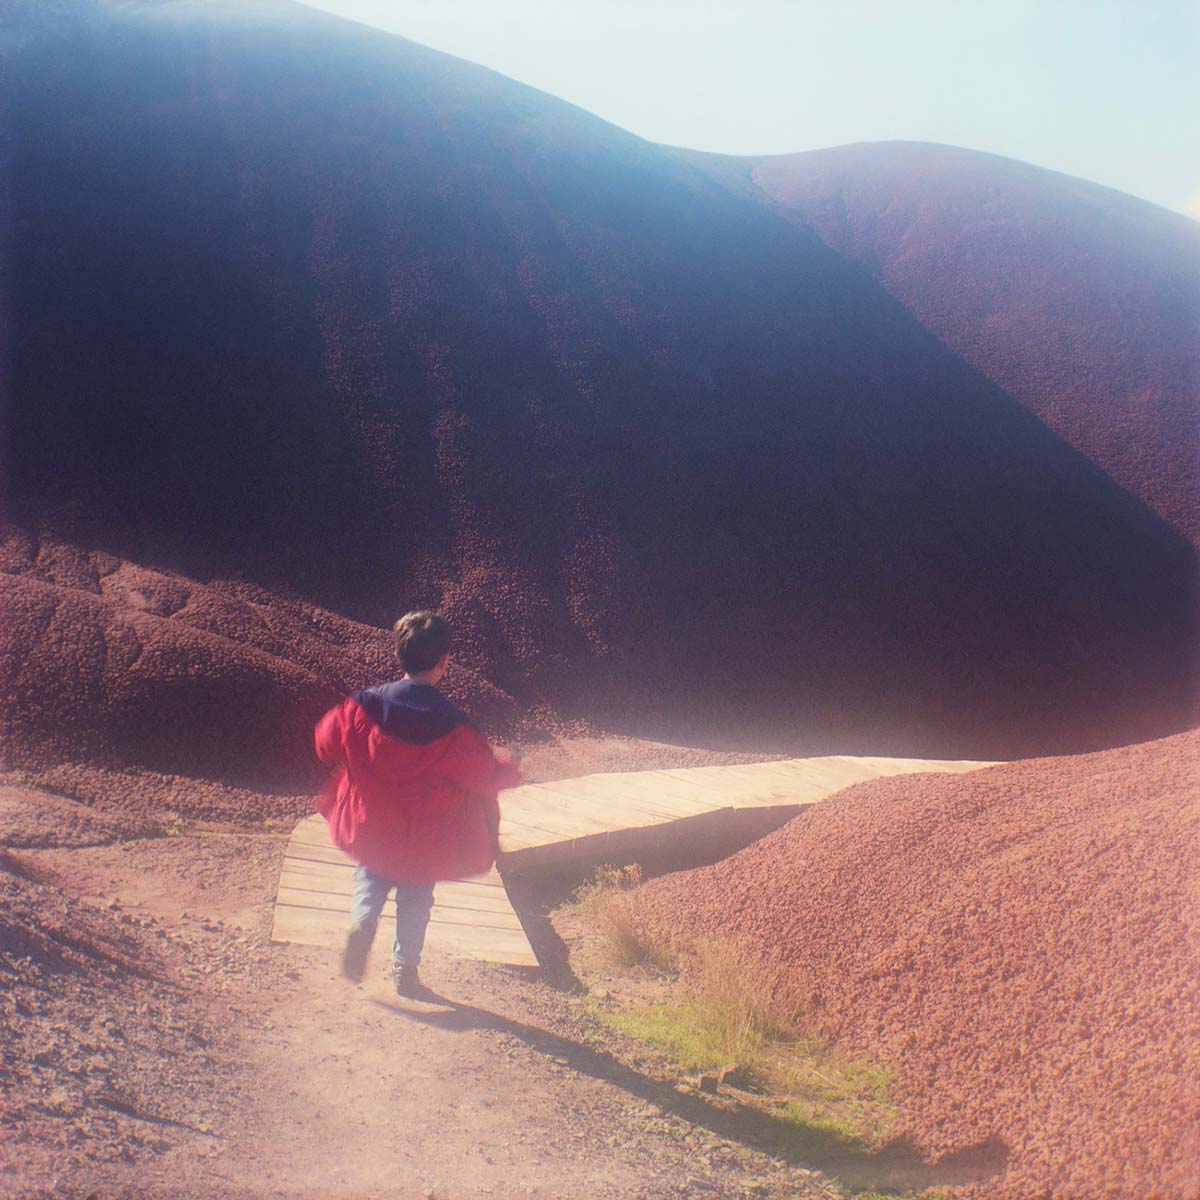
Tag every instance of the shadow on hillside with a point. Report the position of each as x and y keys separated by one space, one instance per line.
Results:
x=896 y=1166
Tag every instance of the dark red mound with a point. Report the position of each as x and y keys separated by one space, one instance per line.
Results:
x=295 y=301
x=1081 y=302
x=106 y=663
x=1021 y=943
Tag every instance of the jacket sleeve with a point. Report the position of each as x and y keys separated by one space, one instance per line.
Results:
x=329 y=736
x=471 y=764
x=508 y=770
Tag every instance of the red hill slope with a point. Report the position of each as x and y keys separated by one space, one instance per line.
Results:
x=115 y=665
x=1080 y=302
x=1021 y=943
x=297 y=302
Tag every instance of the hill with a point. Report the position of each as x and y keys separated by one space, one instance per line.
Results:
x=299 y=304
x=1079 y=301
x=1018 y=943
x=109 y=665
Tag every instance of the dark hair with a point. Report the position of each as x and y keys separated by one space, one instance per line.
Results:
x=421 y=640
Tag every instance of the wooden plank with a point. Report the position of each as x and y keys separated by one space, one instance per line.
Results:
x=317 y=854
x=701 y=779
x=616 y=816
x=579 y=816
x=529 y=831
x=298 y=869
x=324 y=928
x=746 y=786
x=299 y=887
x=804 y=781
x=309 y=927
x=483 y=907
x=658 y=802
x=471 y=918
x=443 y=914
x=312 y=828
x=549 y=812
x=490 y=882
x=602 y=790
x=652 y=802
x=338 y=875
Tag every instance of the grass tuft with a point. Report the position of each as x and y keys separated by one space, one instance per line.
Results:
x=730 y=997
x=829 y=1096
x=722 y=1014
x=609 y=904
x=721 y=1011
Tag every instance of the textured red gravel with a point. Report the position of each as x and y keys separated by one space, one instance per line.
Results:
x=31 y=817
x=1022 y=944
x=135 y=697
x=110 y=665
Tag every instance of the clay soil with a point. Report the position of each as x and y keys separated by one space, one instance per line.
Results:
x=154 y=1043
x=396 y=332
x=1018 y=944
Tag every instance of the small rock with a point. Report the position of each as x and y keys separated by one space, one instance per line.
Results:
x=737 y=1076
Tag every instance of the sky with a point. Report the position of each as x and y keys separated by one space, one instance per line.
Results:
x=1105 y=89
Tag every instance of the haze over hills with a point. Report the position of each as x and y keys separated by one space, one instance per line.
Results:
x=1081 y=302
x=298 y=303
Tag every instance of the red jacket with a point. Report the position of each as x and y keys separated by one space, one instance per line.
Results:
x=413 y=796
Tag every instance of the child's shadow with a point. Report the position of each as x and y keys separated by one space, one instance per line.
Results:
x=896 y=1165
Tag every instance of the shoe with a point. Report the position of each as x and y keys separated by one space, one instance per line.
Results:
x=354 y=956
x=408 y=983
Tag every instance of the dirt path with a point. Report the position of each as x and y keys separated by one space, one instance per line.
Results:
x=489 y=1093
x=323 y=1089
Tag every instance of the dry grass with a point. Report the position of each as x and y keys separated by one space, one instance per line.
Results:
x=732 y=998
x=610 y=905
x=722 y=1013
x=721 y=1009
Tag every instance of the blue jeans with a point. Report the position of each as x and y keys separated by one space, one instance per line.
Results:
x=413 y=902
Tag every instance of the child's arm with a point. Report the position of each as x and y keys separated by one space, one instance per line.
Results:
x=508 y=760
x=471 y=764
x=329 y=736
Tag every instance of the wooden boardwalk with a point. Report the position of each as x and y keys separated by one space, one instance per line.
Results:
x=615 y=813
x=471 y=918
x=549 y=823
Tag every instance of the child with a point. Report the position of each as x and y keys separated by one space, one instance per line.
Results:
x=413 y=797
